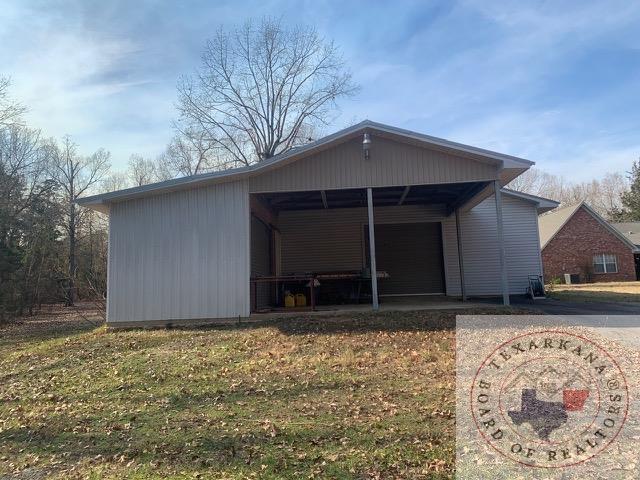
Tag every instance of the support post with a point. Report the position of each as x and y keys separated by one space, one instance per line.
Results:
x=463 y=288
x=255 y=296
x=404 y=194
x=323 y=195
x=372 y=252
x=501 y=252
x=312 y=293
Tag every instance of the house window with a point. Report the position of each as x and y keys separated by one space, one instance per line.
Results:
x=605 y=263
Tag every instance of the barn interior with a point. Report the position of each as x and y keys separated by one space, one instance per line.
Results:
x=313 y=248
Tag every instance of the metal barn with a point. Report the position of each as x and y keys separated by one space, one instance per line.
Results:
x=366 y=215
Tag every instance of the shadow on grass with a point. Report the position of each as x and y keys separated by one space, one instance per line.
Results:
x=27 y=330
x=363 y=323
x=352 y=322
x=166 y=438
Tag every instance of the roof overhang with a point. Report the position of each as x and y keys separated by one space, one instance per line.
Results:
x=448 y=194
x=542 y=204
x=509 y=166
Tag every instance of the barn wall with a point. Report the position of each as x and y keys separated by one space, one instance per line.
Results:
x=332 y=239
x=261 y=260
x=480 y=246
x=391 y=164
x=182 y=255
x=186 y=255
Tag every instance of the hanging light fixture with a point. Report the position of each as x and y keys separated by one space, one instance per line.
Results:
x=366 y=145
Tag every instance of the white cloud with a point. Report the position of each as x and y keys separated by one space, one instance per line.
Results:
x=534 y=136
x=492 y=93
x=472 y=73
x=60 y=81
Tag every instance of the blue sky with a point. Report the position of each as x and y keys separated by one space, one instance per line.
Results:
x=555 y=82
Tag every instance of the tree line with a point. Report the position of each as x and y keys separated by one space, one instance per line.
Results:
x=616 y=196
x=50 y=250
x=262 y=89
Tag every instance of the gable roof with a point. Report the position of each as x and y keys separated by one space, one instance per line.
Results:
x=515 y=165
x=551 y=223
x=542 y=204
x=631 y=230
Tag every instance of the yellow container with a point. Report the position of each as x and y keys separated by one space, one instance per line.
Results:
x=289 y=301
x=301 y=300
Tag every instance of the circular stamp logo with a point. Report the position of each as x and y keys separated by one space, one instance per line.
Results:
x=549 y=399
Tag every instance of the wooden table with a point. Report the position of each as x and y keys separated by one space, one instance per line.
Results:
x=311 y=278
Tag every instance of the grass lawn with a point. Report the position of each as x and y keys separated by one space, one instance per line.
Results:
x=359 y=396
x=597 y=292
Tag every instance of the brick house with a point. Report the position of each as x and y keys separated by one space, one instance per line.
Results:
x=577 y=240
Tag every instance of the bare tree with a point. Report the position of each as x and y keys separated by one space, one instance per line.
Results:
x=27 y=219
x=164 y=168
x=613 y=186
x=75 y=175
x=22 y=158
x=258 y=90
x=10 y=110
x=38 y=182
x=190 y=153
x=532 y=181
x=114 y=181
x=604 y=196
x=141 y=170
x=541 y=183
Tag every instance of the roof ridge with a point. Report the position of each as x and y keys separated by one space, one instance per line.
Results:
x=553 y=229
x=479 y=154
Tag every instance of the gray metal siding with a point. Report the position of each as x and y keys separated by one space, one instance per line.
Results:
x=182 y=255
x=391 y=164
x=314 y=240
x=261 y=259
x=333 y=239
x=480 y=247
x=186 y=255
x=450 y=255
x=321 y=240
x=521 y=243
x=412 y=255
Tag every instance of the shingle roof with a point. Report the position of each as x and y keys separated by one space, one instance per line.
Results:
x=551 y=223
x=631 y=230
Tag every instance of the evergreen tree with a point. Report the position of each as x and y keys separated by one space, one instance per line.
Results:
x=631 y=199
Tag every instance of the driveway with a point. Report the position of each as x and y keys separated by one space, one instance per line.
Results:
x=619 y=321
x=551 y=306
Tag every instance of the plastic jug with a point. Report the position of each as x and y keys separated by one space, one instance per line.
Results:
x=289 y=301
x=301 y=300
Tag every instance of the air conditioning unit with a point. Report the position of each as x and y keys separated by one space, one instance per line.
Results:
x=571 y=278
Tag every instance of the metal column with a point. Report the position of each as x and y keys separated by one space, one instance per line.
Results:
x=503 y=263
x=463 y=289
x=372 y=251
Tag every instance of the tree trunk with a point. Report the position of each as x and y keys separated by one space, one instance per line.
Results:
x=71 y=293
x=90 y=269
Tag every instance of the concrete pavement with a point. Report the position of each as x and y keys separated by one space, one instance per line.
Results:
x=551 y=306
